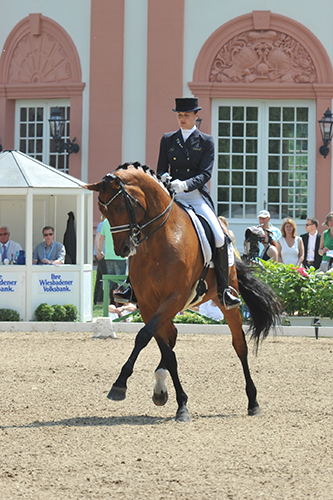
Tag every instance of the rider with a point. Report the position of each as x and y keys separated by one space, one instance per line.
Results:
x=188 y=155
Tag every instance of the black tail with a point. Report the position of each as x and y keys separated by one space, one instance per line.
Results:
x=263 y=303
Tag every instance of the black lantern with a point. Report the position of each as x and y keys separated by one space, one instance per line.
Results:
x=326 y=130
x=57 y=126
x=198 y=122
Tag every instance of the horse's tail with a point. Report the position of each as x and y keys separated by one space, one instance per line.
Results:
x=261 y=300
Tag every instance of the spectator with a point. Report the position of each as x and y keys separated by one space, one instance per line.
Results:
x=9 y=248
x=117 y=311
x=264 y=221
x=49 y=252
x=326 y=244
x=101 y=266
x=290 y=246
x=270 y=250
x=211 y=310
x=311 y=242
x=114 y=264
x=231 y=234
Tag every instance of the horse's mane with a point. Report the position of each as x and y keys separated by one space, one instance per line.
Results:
x=143 y=168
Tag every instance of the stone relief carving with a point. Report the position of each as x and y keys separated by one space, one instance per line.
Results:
x=266 y=55
x=39 y=59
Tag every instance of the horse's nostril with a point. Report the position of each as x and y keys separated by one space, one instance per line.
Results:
x=125 y=251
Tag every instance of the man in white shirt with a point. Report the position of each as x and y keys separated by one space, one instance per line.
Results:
x=9 y=249
x=264 y=221
x=311 y=241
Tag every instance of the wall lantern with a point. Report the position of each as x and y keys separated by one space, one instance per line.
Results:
x=326 y=130
x=57 y=126
x=198 y=122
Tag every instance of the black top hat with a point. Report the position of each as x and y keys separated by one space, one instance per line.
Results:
x=186 y=105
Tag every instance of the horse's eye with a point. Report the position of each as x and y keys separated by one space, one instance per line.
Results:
x=121 y=209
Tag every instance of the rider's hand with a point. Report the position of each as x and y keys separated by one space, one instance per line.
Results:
x=179 y=186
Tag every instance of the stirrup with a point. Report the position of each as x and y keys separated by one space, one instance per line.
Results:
x=237 y=300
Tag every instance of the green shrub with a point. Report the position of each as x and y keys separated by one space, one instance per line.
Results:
x=59 y=313
x=9 y=315
x=44 y=312
x=72 y=314
x=303 y=292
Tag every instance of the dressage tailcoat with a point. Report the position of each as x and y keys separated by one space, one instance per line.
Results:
x=190 y=161
x=317 y=258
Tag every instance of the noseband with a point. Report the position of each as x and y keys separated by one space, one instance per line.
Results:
x=133 y=226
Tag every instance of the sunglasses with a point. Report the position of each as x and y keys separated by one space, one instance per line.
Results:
x=47 y=234
x=3 y=234
x=309 y=224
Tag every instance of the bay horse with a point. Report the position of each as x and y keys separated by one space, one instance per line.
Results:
x=166 y=262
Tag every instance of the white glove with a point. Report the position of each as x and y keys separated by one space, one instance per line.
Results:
x=165 y=177
x=179 y=186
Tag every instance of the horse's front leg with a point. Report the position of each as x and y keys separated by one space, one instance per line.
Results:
x=118 y=390
x=160 y=394
x=234 y=320
x=169 y=361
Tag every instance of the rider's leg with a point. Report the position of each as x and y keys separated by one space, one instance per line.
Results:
x=221 y=264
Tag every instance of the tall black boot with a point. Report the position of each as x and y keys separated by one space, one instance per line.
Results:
x=221 y=264
x=125 y=293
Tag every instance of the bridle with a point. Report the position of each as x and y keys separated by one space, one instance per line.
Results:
x=133 y=226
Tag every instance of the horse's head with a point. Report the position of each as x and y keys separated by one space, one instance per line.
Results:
x=122 y=202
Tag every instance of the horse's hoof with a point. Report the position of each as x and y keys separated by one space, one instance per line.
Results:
x=117 y=393
x=183 y=415
x=254 y=411
x=160 y=399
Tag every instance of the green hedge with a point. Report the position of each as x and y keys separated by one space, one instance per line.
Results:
x=303 y=292
x=46 y=312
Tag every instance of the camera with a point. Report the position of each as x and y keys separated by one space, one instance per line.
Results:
x=253 y=235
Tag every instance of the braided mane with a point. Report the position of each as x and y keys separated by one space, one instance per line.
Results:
x=144 y=168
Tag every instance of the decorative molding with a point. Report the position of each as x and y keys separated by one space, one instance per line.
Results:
x=265 y=56
x=41 y=59
x=39 y=51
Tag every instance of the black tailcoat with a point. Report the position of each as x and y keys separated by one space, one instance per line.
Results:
x=190 y=161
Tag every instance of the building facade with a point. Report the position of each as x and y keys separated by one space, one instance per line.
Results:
x=262 y=72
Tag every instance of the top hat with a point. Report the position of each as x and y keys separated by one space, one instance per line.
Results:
x=186 y=105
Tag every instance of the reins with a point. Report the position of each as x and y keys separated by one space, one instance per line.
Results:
x=133 y=226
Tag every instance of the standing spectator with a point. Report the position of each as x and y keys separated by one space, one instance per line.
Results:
x=114 y=264
x=231 y=234
x=264 y=221
x=311 y=242
x=290 y=246
x=101 y=266
x=326 y=243
x=9 y=248
x=49 y=251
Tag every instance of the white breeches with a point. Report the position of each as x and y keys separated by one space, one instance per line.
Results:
x=195 y=199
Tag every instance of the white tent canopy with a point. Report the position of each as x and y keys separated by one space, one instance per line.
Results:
x=33 y=195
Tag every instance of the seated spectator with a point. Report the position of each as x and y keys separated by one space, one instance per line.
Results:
x=9 y=248
x=290 y=246
x=270 y=250
x=211 y=310
x=117 y=311
x=49 y=252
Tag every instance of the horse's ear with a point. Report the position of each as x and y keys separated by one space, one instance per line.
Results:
x=93 y=187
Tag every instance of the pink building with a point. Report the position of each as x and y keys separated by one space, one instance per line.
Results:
x=264 y=79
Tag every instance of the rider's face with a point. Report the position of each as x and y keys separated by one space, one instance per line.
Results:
x=187 y=120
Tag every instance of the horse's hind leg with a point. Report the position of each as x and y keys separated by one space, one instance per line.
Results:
x=239 y=344
x=160 y=394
